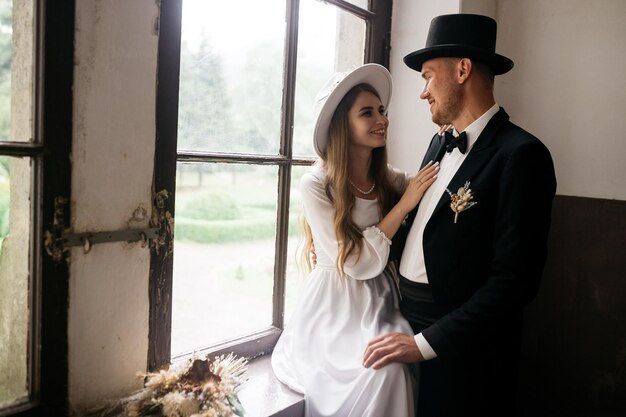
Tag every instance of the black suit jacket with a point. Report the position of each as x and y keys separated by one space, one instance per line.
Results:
x=485 y=268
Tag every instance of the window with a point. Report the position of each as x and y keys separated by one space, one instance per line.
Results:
x=34 y=182
x=234 y=136
x=19 y=163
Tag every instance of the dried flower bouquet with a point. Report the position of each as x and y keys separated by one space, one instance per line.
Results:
x=196 y=388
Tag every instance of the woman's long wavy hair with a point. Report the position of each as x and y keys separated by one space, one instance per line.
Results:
x=335 y=161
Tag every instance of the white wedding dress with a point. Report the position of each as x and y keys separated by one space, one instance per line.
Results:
x=320 y=352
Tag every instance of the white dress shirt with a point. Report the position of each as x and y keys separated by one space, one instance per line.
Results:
x=412 y=265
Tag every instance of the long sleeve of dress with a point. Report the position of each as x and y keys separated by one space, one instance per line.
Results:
x=319 y=210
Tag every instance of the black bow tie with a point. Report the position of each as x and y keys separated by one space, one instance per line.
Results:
x=456 y=142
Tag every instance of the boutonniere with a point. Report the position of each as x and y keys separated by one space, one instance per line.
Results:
x=461 y=200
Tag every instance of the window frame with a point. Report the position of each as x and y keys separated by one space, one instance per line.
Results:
x=50 y=150
x=377 y=46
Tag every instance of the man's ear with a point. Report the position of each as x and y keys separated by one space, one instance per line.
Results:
x=464 y=68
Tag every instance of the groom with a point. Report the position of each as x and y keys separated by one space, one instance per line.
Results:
x=476 y=244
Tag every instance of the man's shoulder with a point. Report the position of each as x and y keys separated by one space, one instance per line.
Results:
x=516 y=133
x=520 y=148
x=511 y=137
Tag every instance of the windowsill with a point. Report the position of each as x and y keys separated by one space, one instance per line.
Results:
x=265 y=396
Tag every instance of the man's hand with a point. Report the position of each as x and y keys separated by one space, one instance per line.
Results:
x=391 y=347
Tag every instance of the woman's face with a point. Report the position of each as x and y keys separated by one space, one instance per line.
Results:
x=368 y=122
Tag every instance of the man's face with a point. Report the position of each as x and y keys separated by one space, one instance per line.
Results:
x=441 y=89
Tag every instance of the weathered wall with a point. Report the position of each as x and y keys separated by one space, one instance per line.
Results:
x=113 y=153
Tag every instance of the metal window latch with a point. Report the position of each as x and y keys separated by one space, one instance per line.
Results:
x=86 y=240
x=57 y=239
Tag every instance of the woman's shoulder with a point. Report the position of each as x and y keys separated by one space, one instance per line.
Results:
x=397 y=177
x=315 y=176
x=314 y=180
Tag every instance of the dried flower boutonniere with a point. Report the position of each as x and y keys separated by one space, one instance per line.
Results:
x=462 y=200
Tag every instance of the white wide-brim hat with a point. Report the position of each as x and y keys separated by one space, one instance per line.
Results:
x=337 y=87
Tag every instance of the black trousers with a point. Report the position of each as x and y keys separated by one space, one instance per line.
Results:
x=463 y=385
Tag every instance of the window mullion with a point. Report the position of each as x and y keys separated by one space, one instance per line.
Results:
x=20 y=148
x=284 y=171
x=232 y=158
x=161 y=254
x=378 y=36
x=54 y=120
x=351 y=8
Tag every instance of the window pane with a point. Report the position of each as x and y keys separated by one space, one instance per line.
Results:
x=16 y=70
x=329 y=40
x=296 y=265
x=225 y=230
x=15 y=206
x=231 y=75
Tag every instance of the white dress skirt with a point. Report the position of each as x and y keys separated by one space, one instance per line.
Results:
x=320 y=352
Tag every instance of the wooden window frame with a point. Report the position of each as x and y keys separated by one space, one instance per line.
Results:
x=378 y=28
x=50 y=151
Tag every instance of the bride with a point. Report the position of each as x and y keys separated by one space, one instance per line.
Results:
x=353 y=206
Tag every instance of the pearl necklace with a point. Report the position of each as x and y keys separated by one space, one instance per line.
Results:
x=361 y=191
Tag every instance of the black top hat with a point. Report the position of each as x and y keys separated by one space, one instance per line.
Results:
x=462 y=36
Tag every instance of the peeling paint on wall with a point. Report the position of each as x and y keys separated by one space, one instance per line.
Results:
x=52 y=238
x=164 y=220
x=139 y=215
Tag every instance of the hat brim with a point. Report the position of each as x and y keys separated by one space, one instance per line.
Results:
x=373 y=74
x=498 y=63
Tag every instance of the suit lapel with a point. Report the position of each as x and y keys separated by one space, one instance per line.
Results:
x=480 y=153
x=434 y=149
x=436 y=145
